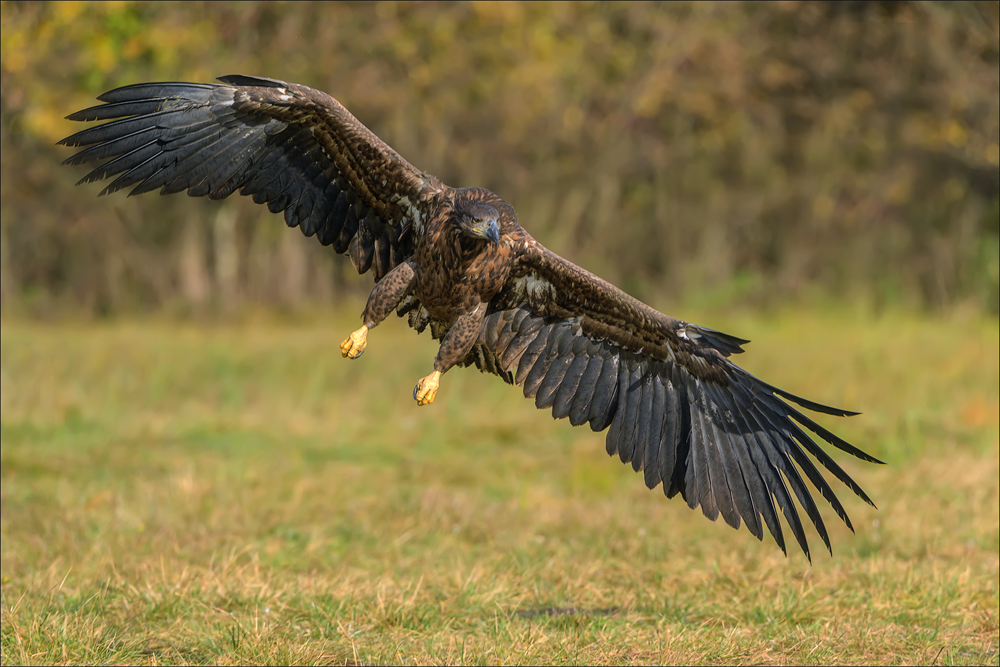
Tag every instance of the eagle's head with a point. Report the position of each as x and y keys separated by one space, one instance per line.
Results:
x=479 y=221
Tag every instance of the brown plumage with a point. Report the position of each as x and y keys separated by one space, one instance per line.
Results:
x=456 y=260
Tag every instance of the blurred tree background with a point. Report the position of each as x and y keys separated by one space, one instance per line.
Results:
x=752 y=151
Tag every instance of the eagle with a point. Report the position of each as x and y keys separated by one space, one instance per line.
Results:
x=456 y=261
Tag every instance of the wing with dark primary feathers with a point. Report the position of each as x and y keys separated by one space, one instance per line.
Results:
x=294 y=148
x=674 y=405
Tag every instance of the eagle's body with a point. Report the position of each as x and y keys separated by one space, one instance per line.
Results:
x=455 y=272
x=458 y=261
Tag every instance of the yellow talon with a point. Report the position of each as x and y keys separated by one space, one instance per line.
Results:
x=355 y=344
x=427 y=388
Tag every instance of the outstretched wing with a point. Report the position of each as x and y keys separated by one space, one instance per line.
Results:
x=294 y=148
x=673 y=403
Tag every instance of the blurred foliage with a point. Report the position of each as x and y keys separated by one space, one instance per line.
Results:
x=751 y=150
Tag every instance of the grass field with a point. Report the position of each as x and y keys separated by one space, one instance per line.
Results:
x=242 y=494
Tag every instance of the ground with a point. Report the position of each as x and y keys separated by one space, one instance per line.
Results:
x=241 y=493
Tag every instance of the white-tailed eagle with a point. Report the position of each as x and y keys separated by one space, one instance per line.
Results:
x=456 y=260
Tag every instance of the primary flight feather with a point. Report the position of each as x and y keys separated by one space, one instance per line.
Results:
x=456 y=260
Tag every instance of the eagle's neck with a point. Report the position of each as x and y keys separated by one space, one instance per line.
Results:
x=463 y=250
x=453 y=251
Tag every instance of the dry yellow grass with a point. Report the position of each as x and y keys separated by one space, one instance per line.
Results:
x=241 y=494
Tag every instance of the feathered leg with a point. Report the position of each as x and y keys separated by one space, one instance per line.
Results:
x=388 y=293
x=454 y=347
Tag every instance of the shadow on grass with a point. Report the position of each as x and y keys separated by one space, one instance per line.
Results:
x=549 y=612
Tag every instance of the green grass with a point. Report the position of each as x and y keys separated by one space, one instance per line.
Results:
x=242 y=494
